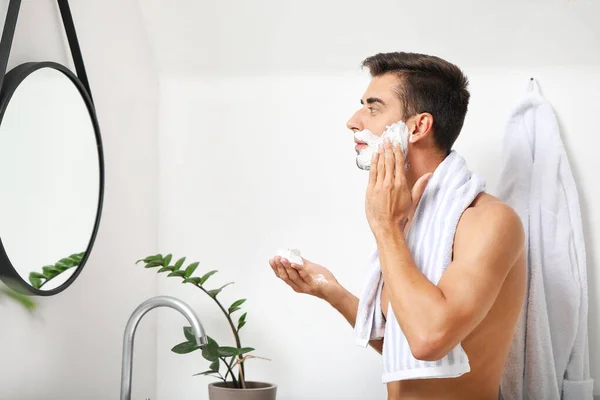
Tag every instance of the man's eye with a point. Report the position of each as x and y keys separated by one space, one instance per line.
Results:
x=372 y=110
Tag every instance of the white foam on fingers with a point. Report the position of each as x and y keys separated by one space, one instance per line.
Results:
x=292 y=255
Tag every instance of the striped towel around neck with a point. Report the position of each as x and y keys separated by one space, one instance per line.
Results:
x=450 y=191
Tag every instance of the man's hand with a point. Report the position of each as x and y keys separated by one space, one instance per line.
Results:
x=316 y=280
x=389 y=201
x=312 y=279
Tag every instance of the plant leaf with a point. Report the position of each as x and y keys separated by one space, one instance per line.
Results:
x=242 y=321
x=237 y=303
x=61 y=264
x=23 y=299
x=194 y=279
x=204 y=373
x=49 y=271
x=206 y=276
x=188 y=332
x=62 y=267
x=154 y=264
x=185 y=347
x=77 y=256
x=36 y=275
x=177 y=273
x=214 y=366
x=167 y=260
x=145 y=260
x=190 y=269
x=178 y=264
x=211 y=350
x=164 y=269
x=69 y=262
x=236 y=306
x=245 y=350
x=227 y=351
x=35 y=282
x=213 y=293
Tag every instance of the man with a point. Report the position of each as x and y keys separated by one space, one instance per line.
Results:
x=480 y=295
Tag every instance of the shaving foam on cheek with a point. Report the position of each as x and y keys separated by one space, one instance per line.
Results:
x=397 y=133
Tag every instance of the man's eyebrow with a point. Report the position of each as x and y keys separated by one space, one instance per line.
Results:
x=372 y=100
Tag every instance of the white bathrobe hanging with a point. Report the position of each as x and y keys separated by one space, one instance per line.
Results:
x=549 y=357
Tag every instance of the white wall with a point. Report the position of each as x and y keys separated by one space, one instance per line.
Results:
x=266 y=37
x=233 y=216
x=72 y=350
x=270 y=77
x=230 y=210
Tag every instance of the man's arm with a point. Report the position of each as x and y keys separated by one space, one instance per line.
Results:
x=347 y=304
x=488 y=241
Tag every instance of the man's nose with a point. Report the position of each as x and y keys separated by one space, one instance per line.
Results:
x=355 y=123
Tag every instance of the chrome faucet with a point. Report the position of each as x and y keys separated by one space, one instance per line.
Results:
x=159 y=301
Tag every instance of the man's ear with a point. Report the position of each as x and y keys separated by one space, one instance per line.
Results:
x=421 y=127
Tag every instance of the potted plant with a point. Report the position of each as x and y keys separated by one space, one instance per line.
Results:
x=223 y=359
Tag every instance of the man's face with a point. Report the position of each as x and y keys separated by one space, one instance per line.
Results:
x=380 y=108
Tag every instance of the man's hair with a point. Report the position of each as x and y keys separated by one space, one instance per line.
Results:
x=427 y=84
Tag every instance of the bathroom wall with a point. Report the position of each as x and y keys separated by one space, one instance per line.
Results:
x=72 y=348
x=249 y=165
x=255 y=156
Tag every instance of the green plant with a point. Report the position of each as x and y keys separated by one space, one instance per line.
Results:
x=20 y=298
x=49 y=272
x=39 y=279
x=218 y=356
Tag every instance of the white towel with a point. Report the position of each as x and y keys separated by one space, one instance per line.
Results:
x=548 y=358
x=451 y=189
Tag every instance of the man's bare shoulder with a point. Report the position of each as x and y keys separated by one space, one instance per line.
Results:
x=491 y=223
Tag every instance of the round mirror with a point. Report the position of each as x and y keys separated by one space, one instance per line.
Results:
x=51 y=174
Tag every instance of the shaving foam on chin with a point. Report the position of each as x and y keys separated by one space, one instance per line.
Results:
x=397 y=133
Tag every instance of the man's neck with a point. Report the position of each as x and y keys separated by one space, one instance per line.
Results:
x=421 y=163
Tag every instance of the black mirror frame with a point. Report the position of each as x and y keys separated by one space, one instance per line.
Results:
x=8 y=84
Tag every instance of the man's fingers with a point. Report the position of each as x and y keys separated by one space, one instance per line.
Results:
x=300 y=276
x=303 y=274
x=277 y=267
x=291 y=272
x=399 y=158
x=281 y=271
x=295 y=277
x=373 y=169
x=283 y=274
x=273 y=267
x=380 y=165
x=389 y=162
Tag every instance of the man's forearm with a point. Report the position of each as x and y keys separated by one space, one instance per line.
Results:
x=347 y=304
x=417 y=303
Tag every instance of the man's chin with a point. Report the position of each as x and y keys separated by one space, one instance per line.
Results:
x=362 y=165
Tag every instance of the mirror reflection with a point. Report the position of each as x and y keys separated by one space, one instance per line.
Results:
x=50 y=178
